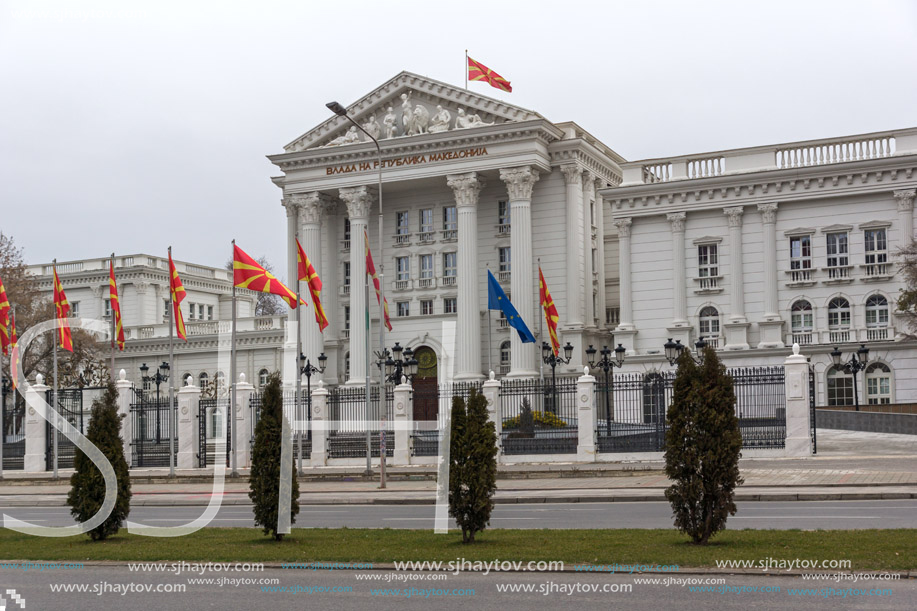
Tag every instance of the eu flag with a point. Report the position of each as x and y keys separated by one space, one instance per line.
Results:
x=497 y=300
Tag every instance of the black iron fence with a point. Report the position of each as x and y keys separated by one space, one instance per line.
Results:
x=75 y=406
x=298 y=410
x=539 y=417
x=212 y=422
x=761 y=405
x=812 y=418
x=153 y=430
x=348 y=422
x=12 y=428
x=425 y=436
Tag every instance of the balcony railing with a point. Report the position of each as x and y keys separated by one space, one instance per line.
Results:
x=839 y=336
x=402 y=239
x=402 y=285
x=448 y=280
x=503 y=228
x=426 y=283
x=803 y=338
x=876 y=270
x=838 y=272
x=502 y=323
x=800 y=275
x=876 y=334
x=713 y=342
x=504 y=369
x=612 y=316
x=503 y=276
x=425 y=237
x=708 y=283
x=345 y=289
x=345 y=245
x=450 y=235
x=345 y=333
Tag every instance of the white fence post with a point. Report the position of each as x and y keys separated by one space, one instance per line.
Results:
x=491 y=390
x=585 y=417
x=798 y=435
x=242 y=424
x=319 y=425
x=125 y=396
x=404 y=422
x=36 y=429
x=189 y=397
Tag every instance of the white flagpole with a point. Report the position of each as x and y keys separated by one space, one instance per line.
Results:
x=490 y=333
x=54 y=410
x=231 y=412
x=466 y=68
x=173 y=412
x=114 y=327
x=3 y=399
x=540 y=331
x=299 y=416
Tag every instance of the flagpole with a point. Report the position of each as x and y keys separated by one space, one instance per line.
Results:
x=173 y=413
x=540 y=330
x=369 y=454
x=466 y=68
x=54 y=408
x=3 y=397
x=111 y=374
x=296 y=360
x=490 y=334
x=232 y=378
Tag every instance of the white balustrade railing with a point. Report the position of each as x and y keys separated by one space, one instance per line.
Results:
x=706 y=167
x=839 y=336
x=503 y=277
x=839 y=272
x=426 y=283
x=803 y=338
x=835 y=152
x=875 y=334
x=449 y=280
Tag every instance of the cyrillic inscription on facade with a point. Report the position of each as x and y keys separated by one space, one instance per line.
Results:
x=409 y=160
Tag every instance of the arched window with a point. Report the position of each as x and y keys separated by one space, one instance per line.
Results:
x=202 y=380
x=840 y=387
x=838 y=314
x=878 y=384
x=262 y=377
x=801 y=322
x=876 y=311
x=219 y=383
x=710 y=325
x=504 y=357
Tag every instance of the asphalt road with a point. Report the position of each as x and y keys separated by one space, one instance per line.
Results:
x=478 y=591
x=756 y=515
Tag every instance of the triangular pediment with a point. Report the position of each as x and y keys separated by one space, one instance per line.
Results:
x=409 y=105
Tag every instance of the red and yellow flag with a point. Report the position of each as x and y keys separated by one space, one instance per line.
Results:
x=550 y=311
x=308 y=273
x=247 y=274
x=4 y=337
x=4 y=305
x=178 y=295
x=14 y=350
x=479 y=72
x=64 y=338
x=115 y=306
x=371 y=270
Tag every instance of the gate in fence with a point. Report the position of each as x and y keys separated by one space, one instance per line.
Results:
x=539 y=417
x=12 y=427
x=212 y=425
x=812 y=422
x=348 y=421
x=152 y=429
x=74 y=405
x=436 y=401
x=296 y=409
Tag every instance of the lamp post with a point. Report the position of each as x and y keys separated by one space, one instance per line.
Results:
x=398 y=367
x=306 y=368
x=607 y=365
x=854 y=365
x=340 y=111
x=551 y=360
x=161 y=375
x=673 y=350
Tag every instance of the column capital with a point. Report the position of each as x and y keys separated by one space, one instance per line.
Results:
x=466 y=187
x=290 y=205
x=571 y=172
x=623 y=226
x=905 y=198
x=734 y=215
x=768 y=212
x=311 y=206
x=519 y=182
x=598 y=183
x=678 y=221
x=358 y=200
x=588 y=181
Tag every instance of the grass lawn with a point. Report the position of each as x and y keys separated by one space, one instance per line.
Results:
x=866 y=549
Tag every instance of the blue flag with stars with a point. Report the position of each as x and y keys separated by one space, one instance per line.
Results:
x=497 y=300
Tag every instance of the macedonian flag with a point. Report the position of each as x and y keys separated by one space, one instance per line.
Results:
x=247 y=274
x=4 y=337
x=64 y=338
x=479 y=72
x=4 y=305
x=178 y=295
x=14 y=350
x=308 y=273
x=550 y=310
x=115 y=306
x=371 y=270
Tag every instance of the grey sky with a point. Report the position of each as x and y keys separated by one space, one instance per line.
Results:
x=129 y=126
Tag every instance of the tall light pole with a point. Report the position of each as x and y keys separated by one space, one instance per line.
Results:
x=674 y=349
x=607 y=365
x=342 y=112
x=551 y=360
x=853 y=366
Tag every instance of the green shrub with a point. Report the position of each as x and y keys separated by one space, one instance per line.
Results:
x=473 y=465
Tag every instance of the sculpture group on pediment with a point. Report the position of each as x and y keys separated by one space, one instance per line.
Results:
x=440 y=121
x=372 y=127
x=463 y=121
x=350 y=137
x=414 y=119
x=389 y=123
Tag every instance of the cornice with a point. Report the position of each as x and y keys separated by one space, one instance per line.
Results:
x=584 y=154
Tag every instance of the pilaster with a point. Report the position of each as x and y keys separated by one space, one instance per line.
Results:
x=358 y=201
x=679 y=277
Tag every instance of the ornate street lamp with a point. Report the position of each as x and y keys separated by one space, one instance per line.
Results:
x=396 y=365
x=161 y=375
x=607 y=365
x=854 y=365
x=673 y=350
x=306 y=368
x=552 y=360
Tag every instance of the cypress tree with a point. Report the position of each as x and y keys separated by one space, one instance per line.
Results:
x=264 y=480
x=474 y=458
x=87 y=486
x=703 y=447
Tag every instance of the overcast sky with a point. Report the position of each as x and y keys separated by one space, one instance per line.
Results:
x=129 y=126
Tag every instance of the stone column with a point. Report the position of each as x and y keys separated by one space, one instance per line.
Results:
x=292 y=207
x=905 y=199
x=625 y=331
x=467 y=187
x=491 y=390
x=772 y=325
x=798 y=436
x=679 y=277
x=311 y=207
x=519 y=185
x=319 y=425
x=574 y=243
x=404 y=421
x=242 y=425
x=36 y=427
x=600 y=245
x=585 y=414
x=124 y=387
x=358 y=201
x=736 y=266
x=588 y=197
x=189 y=397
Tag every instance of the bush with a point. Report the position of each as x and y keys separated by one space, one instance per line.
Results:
x=264 y=481
x=473 y=465
x=703 y=447
x=87 y=486
x=527 y=420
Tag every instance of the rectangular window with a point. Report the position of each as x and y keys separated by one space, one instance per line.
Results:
x=801 y=252
x=837 y=249
x=200 y=311
x=876 y=246
x=347 y=318
x=401 y=223
x=503 y=213
x=403 y=308
x=707 y=261
x=426 y=266
x=192 y=311
x=346 y=229
x=107 y=306
x=450 y=305
x=403 y=268
x=450 y=218
x=426 y=220
x=426 y=307
x=209 y=312
x=75 y=309
x=165 y=308
x=346 y=273
x=449 y=265
x=504 y=259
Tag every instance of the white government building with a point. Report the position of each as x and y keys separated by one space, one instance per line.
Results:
x=751 y=249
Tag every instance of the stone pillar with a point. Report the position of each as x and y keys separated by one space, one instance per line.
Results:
x=772 y=325
x=588 y=197
x=519 y=185
x=189 y=442
x=491 y=390
x=311 y=206
x=358 y=201
x=467 y=187
x=585 y=414
x=624 y=333
x=905 y=199
x=574 y=243
x=291 y=205
x=798 y=435
x=36 y=427
x=679 y=277
x=404 y=421
x=600 y=254
x=320 y=422
x=242 y=425
x=736 y=325
x=124 y=387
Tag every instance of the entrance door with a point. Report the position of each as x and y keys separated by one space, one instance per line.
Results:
x=426 y=391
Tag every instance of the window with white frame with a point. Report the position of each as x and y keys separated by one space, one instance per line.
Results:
x=503 y=213
x=346 y=228
x=426 y=220
x=505 y=262
x=839 y=387
x=801 y=252
x=426 y=307
x=347 y=318
x=201 y=308
x=876 y=311
x=450 y=305
x=801 y=318
x=505 y=356
x=449 y=264
x=878 y=384
x=107 y=308
x=402 y=268
x=165 y=309
x=707 y=261
x=202 y=380
x=262 y=377
x=346 y=273
x=450 y=218
x=210 y=312
x=75 y=309
x=838 y=314
x=837 y=249
x=426 y=266
x=709 y=324
x=192 y=311
x=875 y=244
x=347 y=365
x=401 y=223
x=403 y=308
x=219 y=382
